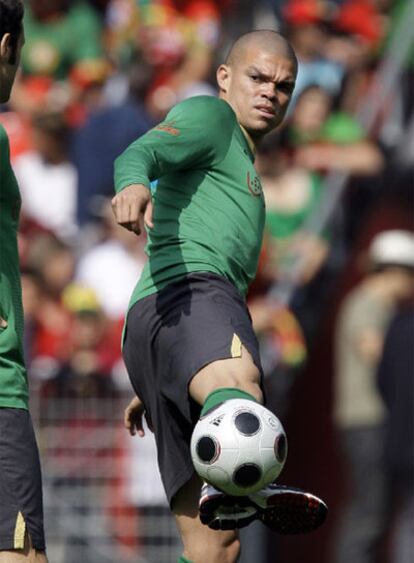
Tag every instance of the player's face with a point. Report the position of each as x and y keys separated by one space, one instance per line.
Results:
x=8 y=66
x=258 y=88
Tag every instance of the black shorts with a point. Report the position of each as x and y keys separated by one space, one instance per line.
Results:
x=169 y=337
x=21 y=506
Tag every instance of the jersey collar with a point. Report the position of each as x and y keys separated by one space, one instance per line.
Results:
x=248 y=142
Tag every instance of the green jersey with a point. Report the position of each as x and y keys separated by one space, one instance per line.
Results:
x=13 y=377
x=209 y=207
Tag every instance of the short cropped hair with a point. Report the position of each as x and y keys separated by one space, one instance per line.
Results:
x=11 y=21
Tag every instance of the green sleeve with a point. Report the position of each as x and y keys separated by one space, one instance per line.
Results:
x=195 y=134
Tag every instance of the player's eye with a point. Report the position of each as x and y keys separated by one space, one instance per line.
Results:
x=286 y=87
x=254 y=77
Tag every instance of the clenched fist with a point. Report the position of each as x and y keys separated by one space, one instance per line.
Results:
x=132 y=207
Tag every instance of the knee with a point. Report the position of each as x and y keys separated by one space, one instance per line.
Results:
x=218 y=375
x=248 y=386
x=249 y=383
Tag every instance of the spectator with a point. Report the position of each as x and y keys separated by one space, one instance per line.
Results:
x=64 y=38
x=305 y=27
x=47 y=179
x=63 y=61
x=112 y=267
x=80 y=395
x=91 y=349
x=326 y=140
x=395 y=380
x=357 y=30
x=359 y=410
x=292 y=193
x=178 y=38
x=31 y=296
x=53 y=261
x=94 y=151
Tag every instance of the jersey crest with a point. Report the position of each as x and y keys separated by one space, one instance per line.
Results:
x=254 y=185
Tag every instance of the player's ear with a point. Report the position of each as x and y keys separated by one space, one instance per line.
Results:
x=5 y=47
x=223 y=77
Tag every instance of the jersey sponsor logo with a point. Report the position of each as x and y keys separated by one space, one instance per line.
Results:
x=168 y=128
x=254 y=185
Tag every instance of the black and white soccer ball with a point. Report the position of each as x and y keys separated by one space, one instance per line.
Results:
x=239 y=447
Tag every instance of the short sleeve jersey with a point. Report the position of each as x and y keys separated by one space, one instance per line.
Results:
x=13 y=377
x=209 y=207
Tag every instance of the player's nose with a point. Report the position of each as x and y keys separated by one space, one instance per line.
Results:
x=269 y=91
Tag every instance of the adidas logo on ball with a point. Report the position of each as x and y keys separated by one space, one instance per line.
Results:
x=216 y=421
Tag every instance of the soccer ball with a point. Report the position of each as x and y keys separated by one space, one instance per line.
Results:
x=239 y=447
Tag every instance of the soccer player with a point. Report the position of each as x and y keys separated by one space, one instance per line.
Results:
x=189 y=343
x=21 y=510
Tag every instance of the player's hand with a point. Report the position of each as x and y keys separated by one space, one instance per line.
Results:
x=133 y=418
x=133 y=206
x=3 y=322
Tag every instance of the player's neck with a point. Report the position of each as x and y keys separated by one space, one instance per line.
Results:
x=249 y=139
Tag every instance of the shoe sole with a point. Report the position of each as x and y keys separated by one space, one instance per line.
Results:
x=230 y=517
x=287 y=512
x=293 y=512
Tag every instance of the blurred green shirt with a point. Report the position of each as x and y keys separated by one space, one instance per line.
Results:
x=53 y=47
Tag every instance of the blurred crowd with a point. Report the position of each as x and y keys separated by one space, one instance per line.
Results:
x=97 y=74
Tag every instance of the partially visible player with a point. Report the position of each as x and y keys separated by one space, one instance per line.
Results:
x=189 y=343
x=21 y=511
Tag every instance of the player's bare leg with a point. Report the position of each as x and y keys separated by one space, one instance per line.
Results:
x=201 y=544
x=239 y=372
x=26 y=555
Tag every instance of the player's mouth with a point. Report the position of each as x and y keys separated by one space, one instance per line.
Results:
x=267 y=111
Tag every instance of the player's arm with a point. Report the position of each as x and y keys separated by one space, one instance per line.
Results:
x=193 y=135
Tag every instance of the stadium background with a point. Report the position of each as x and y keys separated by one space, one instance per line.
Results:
x=95 y=75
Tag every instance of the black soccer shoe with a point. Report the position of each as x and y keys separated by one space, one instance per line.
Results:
x=289 y=510
x=286 y=510
x=219 y=511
